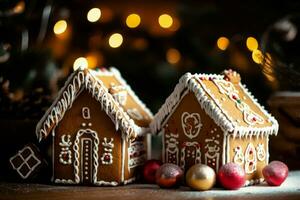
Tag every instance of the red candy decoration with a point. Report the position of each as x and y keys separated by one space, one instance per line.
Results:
x=232 y=176
x=169 y=175
x=150 y=169
x=275 y=173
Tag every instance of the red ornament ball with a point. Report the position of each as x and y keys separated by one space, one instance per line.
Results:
x=169 y=175
x=275 y=173
x=149 y=170
x=232 y=176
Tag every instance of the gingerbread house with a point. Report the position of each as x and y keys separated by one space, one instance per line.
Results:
x=97 y=126
x=213 y=119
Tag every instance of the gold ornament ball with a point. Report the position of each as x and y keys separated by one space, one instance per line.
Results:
x=200 y=177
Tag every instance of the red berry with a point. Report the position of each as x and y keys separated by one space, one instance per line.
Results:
x=275 y=173
x=232 y=176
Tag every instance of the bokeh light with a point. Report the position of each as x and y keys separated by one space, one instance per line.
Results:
x=257 y=56
x=94 y=15
x=165 y=21
x=19 y=8
x=133 y=20
x=115 y=40
x=92 y=61
x=223 y=43
x=251 y=43
x=173 y=56
x=80 y=62
x=60 y=27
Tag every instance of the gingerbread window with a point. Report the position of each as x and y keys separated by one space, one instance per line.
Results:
x=86 y=113
x=25 y=162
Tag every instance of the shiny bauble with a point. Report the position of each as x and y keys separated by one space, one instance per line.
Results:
x=149 y=170
x=275 y=173
x=232 y=176
x=169 y=175
x=200 y=177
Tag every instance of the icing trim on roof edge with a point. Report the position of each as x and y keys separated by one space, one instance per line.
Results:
x=73 y=86
x=116 y=72
x=189 y=82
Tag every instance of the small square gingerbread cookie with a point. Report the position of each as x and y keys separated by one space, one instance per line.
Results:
x=27 y=162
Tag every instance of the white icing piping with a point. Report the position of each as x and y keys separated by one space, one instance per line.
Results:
x=274 y=128
x=98 y=183
x=95 y=154
x=129 y=180
x=169 y=104
x=210 y=105
x=65 y=181
x=123 y=158
x=76 y=82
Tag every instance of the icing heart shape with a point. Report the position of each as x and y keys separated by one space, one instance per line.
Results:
x=191 y=124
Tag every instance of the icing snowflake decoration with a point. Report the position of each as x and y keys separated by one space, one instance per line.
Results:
x=191 y=124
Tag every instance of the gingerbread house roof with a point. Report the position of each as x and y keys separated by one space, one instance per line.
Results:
x=225 y=100
x=97 y=83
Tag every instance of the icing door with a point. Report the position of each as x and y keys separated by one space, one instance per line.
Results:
x=86 y=156
x=86 y=168
x=190 y=155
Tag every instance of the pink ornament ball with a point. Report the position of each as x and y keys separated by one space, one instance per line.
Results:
x=232 y=176
x=169 y=176
x=275 y=173
x=149 y=170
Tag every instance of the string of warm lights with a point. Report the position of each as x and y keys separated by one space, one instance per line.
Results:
x=133 y=20
x=223 y=43
x=115 y=40
x=165 y=21
x=251 y=44
x=93 y=15
x=60 y=27
x=257 y=55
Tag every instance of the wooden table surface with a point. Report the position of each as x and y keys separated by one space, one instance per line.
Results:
x=290 y=189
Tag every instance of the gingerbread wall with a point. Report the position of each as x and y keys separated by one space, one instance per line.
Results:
x=135 y=156
x=99 y=122
x=191 y=136
x=249 y=152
